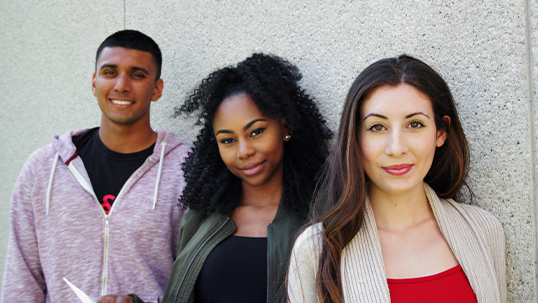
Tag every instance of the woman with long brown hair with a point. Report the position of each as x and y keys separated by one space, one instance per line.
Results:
x=388 y=229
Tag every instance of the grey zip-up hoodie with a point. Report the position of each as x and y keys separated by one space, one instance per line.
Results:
x=58 y=228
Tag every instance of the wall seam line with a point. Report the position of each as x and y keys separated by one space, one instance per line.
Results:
x=124 y=14
x=532 y=135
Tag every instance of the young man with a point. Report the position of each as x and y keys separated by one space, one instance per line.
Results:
x=99 y=206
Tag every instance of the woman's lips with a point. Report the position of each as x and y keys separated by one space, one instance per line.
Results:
x=398 y=170
x=252 y=169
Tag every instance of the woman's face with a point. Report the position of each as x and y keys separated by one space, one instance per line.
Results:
x=250 y=143
x=398 y=139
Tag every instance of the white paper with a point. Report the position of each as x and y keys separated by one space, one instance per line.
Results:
x=80 y=294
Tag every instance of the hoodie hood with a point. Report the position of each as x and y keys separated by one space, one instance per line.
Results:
x=66 y=149
x=67 y=152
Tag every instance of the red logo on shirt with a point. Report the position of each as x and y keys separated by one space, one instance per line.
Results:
x=107 y=199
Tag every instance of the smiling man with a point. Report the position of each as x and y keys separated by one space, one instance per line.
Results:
x=99 y=206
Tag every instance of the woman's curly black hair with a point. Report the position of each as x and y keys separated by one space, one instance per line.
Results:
x=273 y=85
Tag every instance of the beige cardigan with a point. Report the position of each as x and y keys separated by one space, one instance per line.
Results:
x=475 y=236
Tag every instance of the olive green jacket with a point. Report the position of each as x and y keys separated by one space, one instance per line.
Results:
x=198 y=237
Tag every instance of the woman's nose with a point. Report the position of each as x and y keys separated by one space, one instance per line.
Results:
x=245 y=150
x=396 y=144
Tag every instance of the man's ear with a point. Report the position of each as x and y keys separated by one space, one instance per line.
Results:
x=158 y=91
x=442 y=134
x=93 y=85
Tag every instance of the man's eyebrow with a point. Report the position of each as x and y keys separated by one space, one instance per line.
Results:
x=252 y=122
x=145 y=71
x=108 y=66
x=134 y=68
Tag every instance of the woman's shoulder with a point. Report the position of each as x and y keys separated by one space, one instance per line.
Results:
x=310 y=232
x=476 y=214
x=306 y=251
x=191 y=217
x=310 y=238
x=194 y=224
x=486 y=225
x=194 y=219
x=456 y=211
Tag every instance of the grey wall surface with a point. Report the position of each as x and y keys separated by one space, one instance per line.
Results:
x=487 y=51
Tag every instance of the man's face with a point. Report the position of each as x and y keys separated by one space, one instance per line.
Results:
x=124 y=84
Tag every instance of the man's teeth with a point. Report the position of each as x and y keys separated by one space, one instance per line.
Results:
x=121 y=102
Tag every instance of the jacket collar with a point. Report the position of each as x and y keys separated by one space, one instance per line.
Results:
x=282 y=210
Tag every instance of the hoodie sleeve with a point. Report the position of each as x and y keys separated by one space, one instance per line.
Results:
x=23 y=277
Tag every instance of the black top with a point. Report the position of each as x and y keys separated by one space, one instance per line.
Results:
x=235 y=271
x=107 y=169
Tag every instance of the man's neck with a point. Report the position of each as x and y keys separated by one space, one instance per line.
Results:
x=127 y=139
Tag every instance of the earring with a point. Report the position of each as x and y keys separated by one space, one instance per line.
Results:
x=287 y=138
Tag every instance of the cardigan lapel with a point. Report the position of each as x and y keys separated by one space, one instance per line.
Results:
x=363 y=271
x=467 y=245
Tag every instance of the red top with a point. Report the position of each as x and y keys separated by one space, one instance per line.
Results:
x=447 y=286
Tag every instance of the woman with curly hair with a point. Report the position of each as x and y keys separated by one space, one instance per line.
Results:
x=249 y=183
x=389 y=229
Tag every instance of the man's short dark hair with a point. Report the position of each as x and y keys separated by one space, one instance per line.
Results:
x=133 y=39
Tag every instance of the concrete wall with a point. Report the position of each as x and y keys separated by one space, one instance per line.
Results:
x=486 y=50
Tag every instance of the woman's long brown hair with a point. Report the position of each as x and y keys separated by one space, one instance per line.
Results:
x=342 y=190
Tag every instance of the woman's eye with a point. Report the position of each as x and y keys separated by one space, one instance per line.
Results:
x=227 y=141
x=257 y=132
x=376 y=128
x=416 y=124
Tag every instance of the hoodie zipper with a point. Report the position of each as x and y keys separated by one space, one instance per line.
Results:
x=105 y=258
x=196 y=254
x=80 y=179
x=107 y=231
x=89 y=189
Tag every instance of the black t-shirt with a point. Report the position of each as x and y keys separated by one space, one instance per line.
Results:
x=107 y=169
x=235 y=271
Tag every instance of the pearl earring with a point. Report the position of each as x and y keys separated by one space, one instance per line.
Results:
x=287 y=138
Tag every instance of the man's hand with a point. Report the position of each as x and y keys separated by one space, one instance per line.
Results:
x=116 y=299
